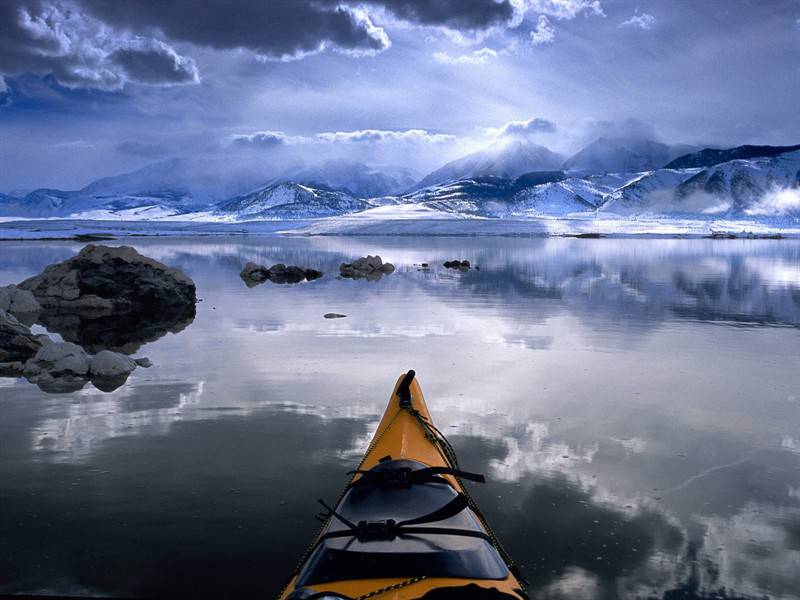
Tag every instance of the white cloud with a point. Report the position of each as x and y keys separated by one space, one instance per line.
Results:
x=3 y=85
x=561 y=9
x=642 y=21
x=544 y=33
x=777 y=203
x=274 y=139
x=520 y=129
x=477 y=57
x=415 y=136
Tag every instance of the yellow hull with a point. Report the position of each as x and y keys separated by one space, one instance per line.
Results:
x=402 y=434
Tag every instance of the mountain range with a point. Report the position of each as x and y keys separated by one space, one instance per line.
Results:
x=514 y=179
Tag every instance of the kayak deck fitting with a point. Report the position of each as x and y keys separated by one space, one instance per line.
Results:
x=405 y=527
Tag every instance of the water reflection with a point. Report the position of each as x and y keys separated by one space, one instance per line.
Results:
x=633 y=402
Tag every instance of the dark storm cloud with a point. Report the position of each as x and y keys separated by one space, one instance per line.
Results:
x=57 y=38
x=154 y=62
x=273 y=28
x=453 y=14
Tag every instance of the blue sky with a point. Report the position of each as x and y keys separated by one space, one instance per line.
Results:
x=97 y=87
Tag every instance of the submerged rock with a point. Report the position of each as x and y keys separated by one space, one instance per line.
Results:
x=254 y=274
x=17 y=343
x=107 y=280
x=368 y=267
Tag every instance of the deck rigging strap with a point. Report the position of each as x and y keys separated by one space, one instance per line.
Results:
x=409 y=476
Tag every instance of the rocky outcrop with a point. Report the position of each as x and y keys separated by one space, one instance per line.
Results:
x=20 y=303
x=112 y=298
x=17 y=343
x=109 y=370
x=106 y=280
x=461 y=265
x=368 y=267
x=254 y=274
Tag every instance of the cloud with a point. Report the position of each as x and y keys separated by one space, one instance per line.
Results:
x=521 y=129
x=275 y=29
x=154 y=62
x=642 y=21
x=374 y=136
x=264 y=140
x=544 y=33
x=477 y=57
x=563 y=9
x=75 y=145
x=777 y=203
x=276 y=139
x=58 y=38
x=458 y=15
x=630 y=129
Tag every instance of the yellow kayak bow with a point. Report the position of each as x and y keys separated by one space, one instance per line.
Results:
x=405 y=526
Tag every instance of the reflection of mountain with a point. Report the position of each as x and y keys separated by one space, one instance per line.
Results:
x=124 y=333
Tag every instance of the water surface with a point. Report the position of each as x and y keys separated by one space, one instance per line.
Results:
x=635 y=405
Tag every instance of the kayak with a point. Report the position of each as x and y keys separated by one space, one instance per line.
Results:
x=405 y=526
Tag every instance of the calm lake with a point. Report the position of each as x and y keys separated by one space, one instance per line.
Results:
x=634 y=404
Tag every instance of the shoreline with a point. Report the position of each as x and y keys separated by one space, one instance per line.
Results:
x=580 y=228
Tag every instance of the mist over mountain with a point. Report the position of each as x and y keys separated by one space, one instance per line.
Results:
x=352 y=176
x=621 y=155
x=508 y=160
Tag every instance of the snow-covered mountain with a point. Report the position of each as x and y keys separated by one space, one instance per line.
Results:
x=569 y=195
x=756 y=187
x=508 y=160
x=708 y=157
x=358 y=179
x=621 y=155
x=290 y=201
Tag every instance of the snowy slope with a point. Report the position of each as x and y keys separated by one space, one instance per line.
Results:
x=559 y=198
x=649 y=192
x=709 y=157
x=508 y=160
x=290 y=201
x=355 y=178
x=745 y=184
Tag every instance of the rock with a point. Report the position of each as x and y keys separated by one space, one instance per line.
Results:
x=20 y=303
x=143 y=362
x=11 y=369
x=461 y=265
x=334 y=316
x=108 y=365
x=58 y=359
x=107 y=280
x=17 y=343
x=254 y=274
x=312 y=274
x=369 y=267
x=58 y=367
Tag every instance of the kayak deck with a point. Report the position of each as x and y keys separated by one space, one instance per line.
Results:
x=405 y=526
